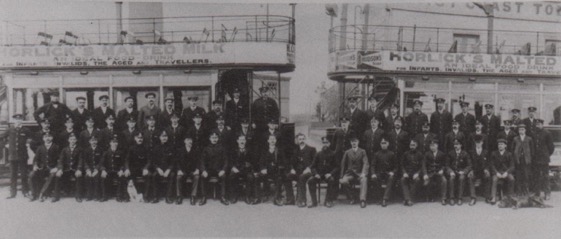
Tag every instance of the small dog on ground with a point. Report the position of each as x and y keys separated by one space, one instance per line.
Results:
x=133 y=194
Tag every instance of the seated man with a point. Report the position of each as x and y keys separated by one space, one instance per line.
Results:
x=214 y=164
x=481 y=171
x=160 y=168
x=44 y=165
x=243 y=168
x=411 y=165
x=325 y=167
x=90 y=159
x=274 y=165
x=112 y=166
x=354 y=167
x=434 y=166
x=459 y=167
x=187 y=166
x=502 y=168
x=302 y=159
x=383 y=168
x=68 y=167
x=136 y=163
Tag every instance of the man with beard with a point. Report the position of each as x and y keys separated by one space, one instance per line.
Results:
x=190 y=112
x=478 y=133
x=149 y=110
x=125 y=114
x=235 y=111
x=209 y=121
x=54 y=111
x=466 y=119
x=325 y=167
x=414 y=122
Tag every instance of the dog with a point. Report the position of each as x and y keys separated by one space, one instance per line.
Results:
x=133 y=194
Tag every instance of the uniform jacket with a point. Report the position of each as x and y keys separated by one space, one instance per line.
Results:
x=126 y=138
x=79 y=119
x=90 y=158
x=176 y=135
x=523 y=150
x=85 y=135
x=46 y=158
x=214 y=158
x=303 y=158
x=162 y=156
x=384 y=161
x=209 y=121
x=423 y=141
x=342 y=140
x=187 y=161
x=371 y=141
x=62 y=137
x=432 y=164
x=379 y=114
x=355 y=162
x=414 y=122
x=234 y=112
x=164 y=119
x=449 y=140
x=137 y=158
x=471 y=141
x=264 y=109
x=325 y=162
x=467 y=122
x=358 y=120
x=123 y=116
x=389 y=122
x=440 y=124
x=99 y=116
x=412 y=162
x=37 y=139
x=113 y=161
x=480 y=161
x=146 y=111
x=544 y=146
x=274 y=162
x=244 y=161
x=105 y=136
x=459 y=161
x=151 y=137
x=398 y=142
x=491 y=127
x=226 y=138
x=56 y=115
x=69 y=159
x=188 y=114
x=501 y=163
x=199 y=136
x=509 y=138
x=17 y=140
x=530 y=126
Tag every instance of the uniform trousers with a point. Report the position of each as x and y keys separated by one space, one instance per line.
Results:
x=21 y=167
x=381 y=179
x=332 y=188
x=350 y=178
x=435 y=180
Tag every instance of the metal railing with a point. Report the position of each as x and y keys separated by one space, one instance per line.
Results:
x=432 y=39
x=196 y=29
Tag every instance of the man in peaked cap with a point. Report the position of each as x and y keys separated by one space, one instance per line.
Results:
x=235 y=110
x=325 y=167
x=342 y=137
x=189 y=113
x=434 y=169
x=150 y=109
x=507 y=133
x=198 y=133
x=136 y=162
x=398 y=138
x=358 y=118
x=414 y=121
x=390 y=119
x=102 y=111
x=209 y=120
x=18 y=141
x=55 y=111
x=466 y=119
x=44 y=165
x=264 y=109
x=441 y=121
x=214 y=163
x=423 y=139
x=62 y=137
x=491 y=125
x=454 y=134
x=516 y=119
x=80 y=114
x=90 y=159
x=531 y=121
x=127 y=135
x=112 y=166
x=459 y=166
x=481 y=163
x=176 y=132
x=87 y=133
x=373 y=111
x=107 y=133
x=125 y=114
x=167 y=112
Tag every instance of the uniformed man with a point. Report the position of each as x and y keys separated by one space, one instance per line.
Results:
x=69 y=166
x=263 y=110
x=80 y=114
x=540 y=164
x=508 y=134
x=19 y=139
x=44 y=165
x=459 y=167
x=358 y=118
x=325 y=167
x=272 y=129
x=249 y=136
x=161 y=163
x=424 y=139
x=101 y=112
x=243 y=167
x=190 y=112
x=54 y=111
x=107 y=133
x=112 y=166
x=225 y=135
x=125 y=114
x=481 y=167
x=87 y=133
x=530 y=122
x=149 y=110
x=516 y=119
x=411 y=166
x=187 y=166
x=198 y=133
x=454 y=134
x=371 y=138
x=38 y=136
x=383 y=167
x=235 y=111
x=62 y=138
x=466 y=119
x=127 y=135
x=136 y=163
x=150 y=133
x=491 y=125
x=524 y=152
x=374 y=112
x=214 y=163
x=416 y=119
x=176 y=132
x=441 y=122
x=435 y=163
x=209 y=121
x=165 y=116
x=390 y=119
x=502 y=168
x=90 y=159
x=354 y=168
x=478 y=133
x=302 y=160
x=398 y=138
x=274 y=165
x=342 y=138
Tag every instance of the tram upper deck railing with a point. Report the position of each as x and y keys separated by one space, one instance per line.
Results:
x=433 y=39
x=194 y=29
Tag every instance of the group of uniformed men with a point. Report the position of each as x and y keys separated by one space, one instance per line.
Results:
x=98 y=150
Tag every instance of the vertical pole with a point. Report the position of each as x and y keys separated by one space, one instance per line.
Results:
x=279 y=94
x=98 y=31
x=154 y=29
x=437 y=37
x=538 y=42
x=267 y=25
x=250 y=90
x=343 y=39
x=118 y=8
x=212 y=27
x=414 y=35
x=365 y=27
x=490 y=23
x=256 y=31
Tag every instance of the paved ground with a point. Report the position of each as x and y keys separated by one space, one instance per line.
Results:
x=68 y=219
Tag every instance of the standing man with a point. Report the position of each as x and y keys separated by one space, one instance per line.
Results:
x=54 y=111
x=390 y=119
x=424 y=139
x=235 y=111
x=374 y=112
x=86 y=134
x=383 y=167
x=466 y=120
x=325 y=167
x=523 y=150
x=507 y=134
x=80 y=114
x=453 y=135
x=417 y=119
x=502 y=168
x=342 y=138
x=302 y=159
x=491 y=125
x=516 y=119
x=411 y=166
x=531 y=121
x=125 y=114
x=372 y=137
x=176 y=132
x=149 y=110
x=441 y=122
x=264 y=110
x=359 y=119
x=101 y=112
x=354 y=167
x=398 y=139
x=190 y=112
x=209 y=122
x=540 y=164
x=19 y=139
x=165 y=116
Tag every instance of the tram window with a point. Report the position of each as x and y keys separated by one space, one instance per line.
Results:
x=27 y=100
x=429 y=106
x=184 y=92
x=552 y=109
x=517 y=101
x=92 y=96
x=119 y=95
x=476 y=101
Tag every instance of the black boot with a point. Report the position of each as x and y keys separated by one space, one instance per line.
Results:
x=203 y=201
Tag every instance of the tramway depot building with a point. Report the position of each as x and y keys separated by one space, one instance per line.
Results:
x=507 y=55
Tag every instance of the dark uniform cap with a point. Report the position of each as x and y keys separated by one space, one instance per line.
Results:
x=394 y=106
x=439 y=100
x=103 y=97
x=17 y=116
x=169 y=98
x=114 y=138
x=128 y=97
x=515 y=111
x=521 y=126
x=434 y=141
x=353 y=98
x=110 y=116
x=150 y=94
x=489 y=106
x=45 y=121
x=216 y=102
x=93 y=137
x=263 y=89
x=344 y=119
x=324 y=140
x=198 y=115
x=213 y=133
x=399 y=118
x=68 y=119
x=236 y=90
x=374 y=97
x=131 y=119
x=89 y=118
x=507 y=122
x=72 y=135
x=464 y=103
x=478 y=122
x=47 y=134
x=456 y=141
x=138 y=135
x=273 y=121
x=55 y=93
x=418 y=102
x=539 y=121
x=194 y=98
x=244 y=121
x=478 y=138
x=220 y=118
x=384 y=140
x=532 y=109
x=163 y=133
x=80 y=98
x=455 y=122
x=426 y=124
x=174 y=115
x=501 y=140
x=353 y=136
x=150 y=117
